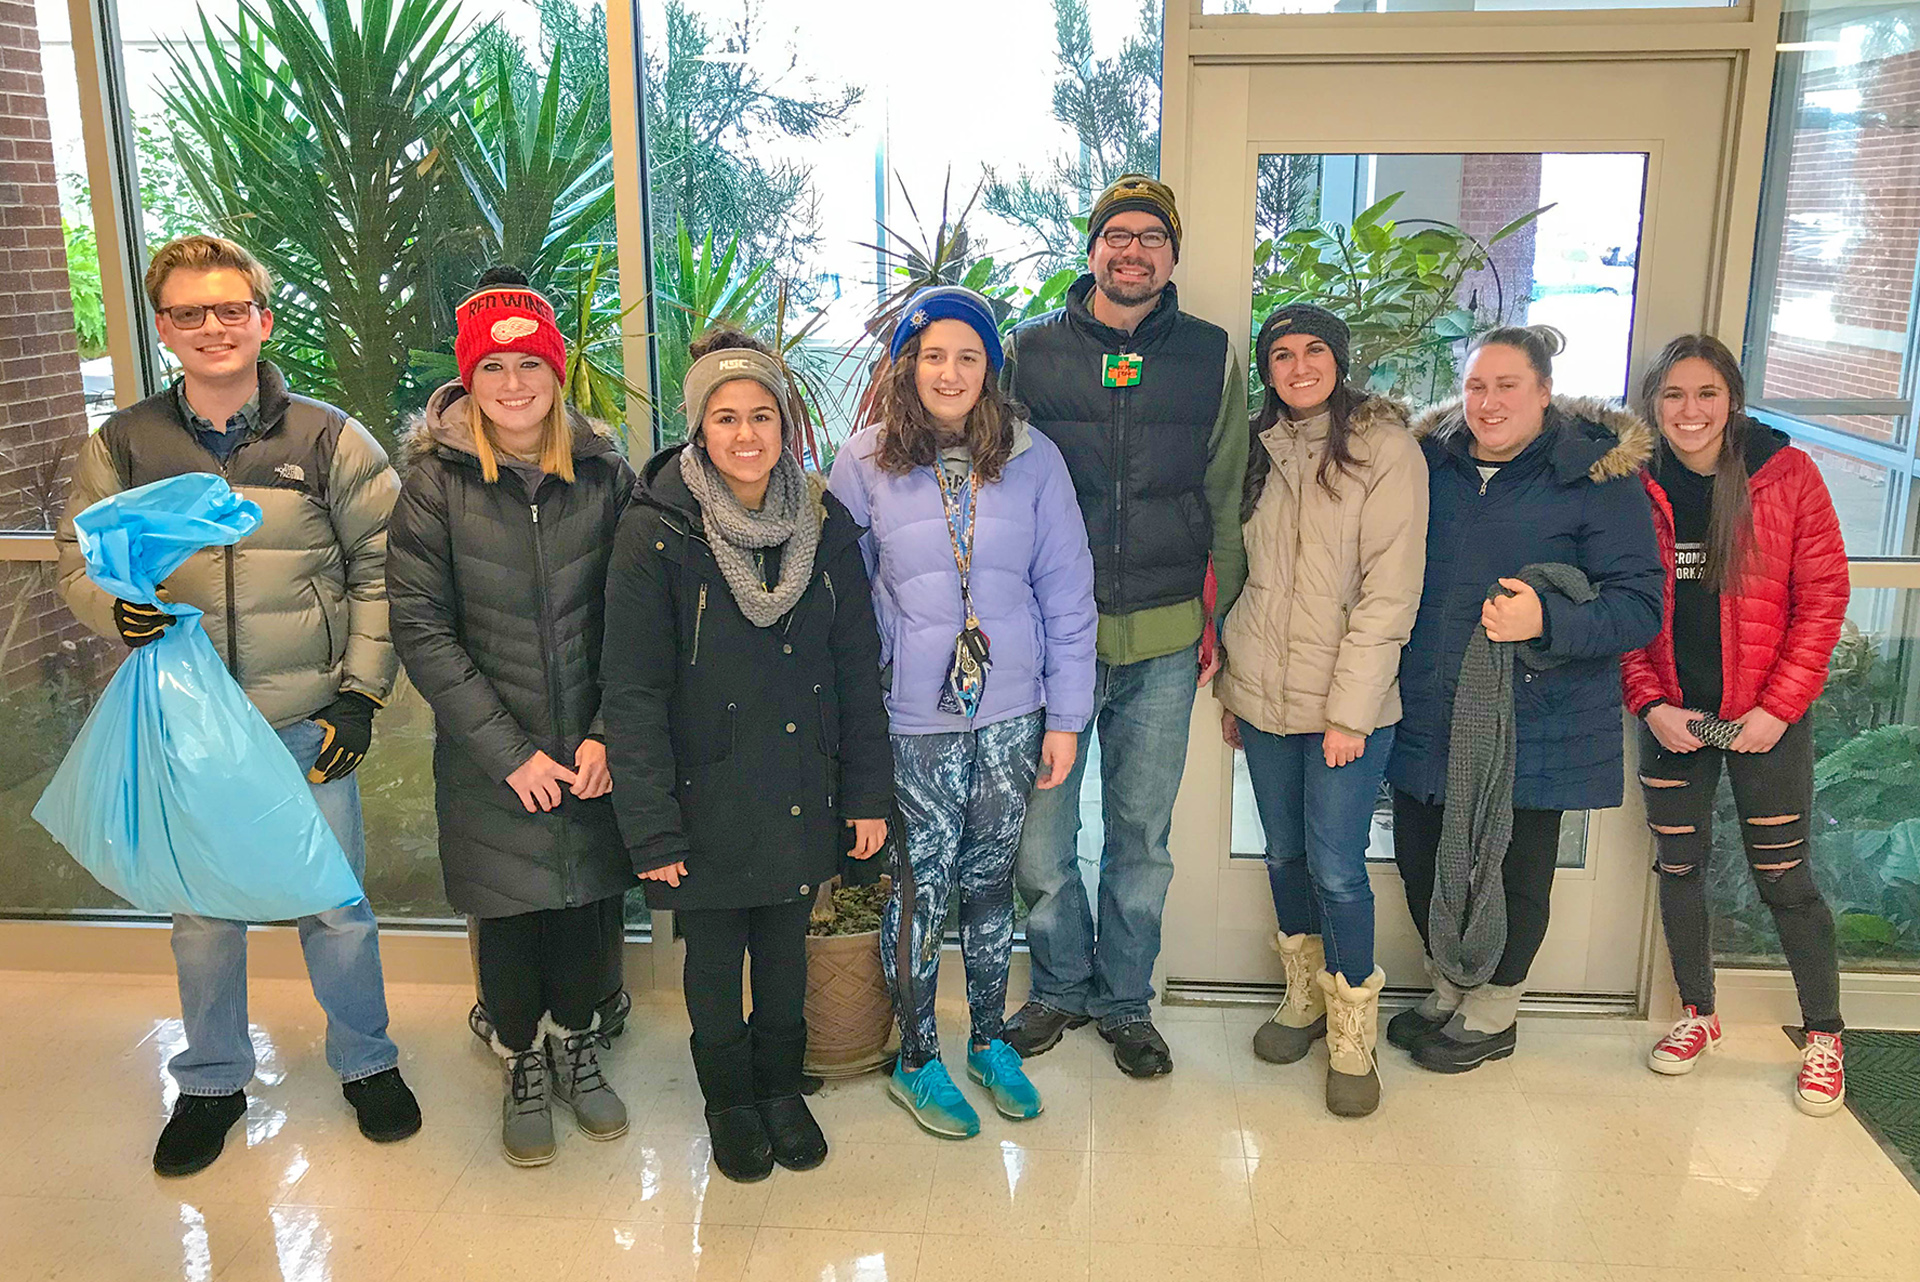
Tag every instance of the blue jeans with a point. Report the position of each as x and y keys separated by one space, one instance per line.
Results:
x=962 y=798
x=1318 y=821
x=1104 y=969
x=343 y=961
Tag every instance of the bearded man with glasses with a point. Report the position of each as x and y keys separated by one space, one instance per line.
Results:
x=1149 y=407
x=298 y=612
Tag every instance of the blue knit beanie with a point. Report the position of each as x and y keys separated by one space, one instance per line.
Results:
x=949 y=302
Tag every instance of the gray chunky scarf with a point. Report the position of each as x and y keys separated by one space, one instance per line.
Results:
x=1467 y=920
x=787 y=516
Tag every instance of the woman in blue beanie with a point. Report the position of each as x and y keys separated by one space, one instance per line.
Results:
x=983 y=590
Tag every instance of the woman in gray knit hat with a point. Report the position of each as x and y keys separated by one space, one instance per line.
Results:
x=746 y=727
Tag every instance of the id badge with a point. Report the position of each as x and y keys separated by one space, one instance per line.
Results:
x=1121 y=369
x=967 y=674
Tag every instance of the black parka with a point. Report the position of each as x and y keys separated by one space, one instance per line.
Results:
x=740 y=751
x=498 y=595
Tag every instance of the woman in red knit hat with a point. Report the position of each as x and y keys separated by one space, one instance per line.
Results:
x=497 y=571
x=1756 y=593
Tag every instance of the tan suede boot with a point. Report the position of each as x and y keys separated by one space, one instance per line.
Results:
x=1303 y=1015
x=1353 y=1030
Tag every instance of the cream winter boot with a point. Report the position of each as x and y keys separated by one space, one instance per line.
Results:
x=1353 y=1030
x=1303 y=1015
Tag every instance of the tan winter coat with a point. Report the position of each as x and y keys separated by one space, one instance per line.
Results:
x=298 y=609
x=1333 y=580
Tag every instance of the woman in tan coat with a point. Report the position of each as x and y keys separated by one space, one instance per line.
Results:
x=1335 y=517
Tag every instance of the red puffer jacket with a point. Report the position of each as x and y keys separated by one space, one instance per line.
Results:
x=1778 y=631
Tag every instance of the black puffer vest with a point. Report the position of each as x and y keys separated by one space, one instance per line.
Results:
x=1138 y=455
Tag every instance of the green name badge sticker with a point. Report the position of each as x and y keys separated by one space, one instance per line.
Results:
x=1121 y=370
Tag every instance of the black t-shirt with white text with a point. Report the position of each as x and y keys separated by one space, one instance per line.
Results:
x=1696 y=606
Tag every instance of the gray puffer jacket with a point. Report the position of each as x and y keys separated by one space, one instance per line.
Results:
x=297 y=609
x=498 y=598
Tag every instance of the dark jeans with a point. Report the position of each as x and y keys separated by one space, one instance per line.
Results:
x=552 y=962
x=1768 y=787
x=774 y=939
x=1526 y=874
x=1318 y=821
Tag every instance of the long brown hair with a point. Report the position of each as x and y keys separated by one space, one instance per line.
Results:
x=1339 y=456
x=1730 y=524
x=909 y=437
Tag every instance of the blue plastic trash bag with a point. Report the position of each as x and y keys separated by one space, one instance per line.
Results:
x=177 y=795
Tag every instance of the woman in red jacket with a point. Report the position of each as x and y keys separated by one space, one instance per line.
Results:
x=1756 y=592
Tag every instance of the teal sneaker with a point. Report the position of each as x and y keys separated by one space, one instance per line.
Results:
x=998 y=1069
x=935 y=1102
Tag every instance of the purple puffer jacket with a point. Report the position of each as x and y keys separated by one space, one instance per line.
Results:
x=1032 y=586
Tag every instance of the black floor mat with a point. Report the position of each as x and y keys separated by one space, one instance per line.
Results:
x=1883 y=1091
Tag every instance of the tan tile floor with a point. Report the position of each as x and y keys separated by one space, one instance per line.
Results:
x=1570 y=1162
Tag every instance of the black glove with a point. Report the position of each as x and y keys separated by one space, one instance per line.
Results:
x=349 y=725
x=138 y=623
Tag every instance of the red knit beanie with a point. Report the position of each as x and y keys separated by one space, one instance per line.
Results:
x=506 y=318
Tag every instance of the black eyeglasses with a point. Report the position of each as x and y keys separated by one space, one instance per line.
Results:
x=193 y=315
x=1120 y=238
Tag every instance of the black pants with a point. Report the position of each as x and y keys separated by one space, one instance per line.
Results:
x=613 y=920
x=552 y=962
x=774 y=939
x=1773 y=795
x=1526 y=873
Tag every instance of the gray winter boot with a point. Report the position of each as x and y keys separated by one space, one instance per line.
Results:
x=1353 y=1029
x=579 y=1084
x=1303 y=1015
x=1484 y=1028
x=526 y=1114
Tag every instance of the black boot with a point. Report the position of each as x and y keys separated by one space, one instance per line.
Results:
x=740 y=1146
x=797 y=1142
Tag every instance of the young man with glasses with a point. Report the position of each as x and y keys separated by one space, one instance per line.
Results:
x=298 y=611
x=1150 y=409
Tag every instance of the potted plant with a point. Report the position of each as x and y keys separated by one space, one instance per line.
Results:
x=849 y=1009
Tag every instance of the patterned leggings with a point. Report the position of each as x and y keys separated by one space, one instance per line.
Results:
x=962 y=800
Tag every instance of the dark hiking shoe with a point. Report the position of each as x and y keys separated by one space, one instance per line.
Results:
x=1455 y=1049
x=385 y=1106
x=196 y=1132
x=795 y=1137
x=1139 y=1049
x=1037 y=1028
x=741 y=1148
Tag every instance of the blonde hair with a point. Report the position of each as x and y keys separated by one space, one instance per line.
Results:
x=556 y=439
x=205 y=254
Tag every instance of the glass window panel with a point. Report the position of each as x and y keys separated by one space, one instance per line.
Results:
x=1844 y=178
x=795 y=132
x=1573 y=267
x=1866 y=833
x=1862 y=492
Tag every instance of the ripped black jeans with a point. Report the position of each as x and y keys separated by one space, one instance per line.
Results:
x=1773 y=795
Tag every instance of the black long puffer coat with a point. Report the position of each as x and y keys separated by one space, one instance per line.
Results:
x=498 y=594
x=740 y=751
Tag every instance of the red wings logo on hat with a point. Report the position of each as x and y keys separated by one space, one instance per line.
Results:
x=509 y=328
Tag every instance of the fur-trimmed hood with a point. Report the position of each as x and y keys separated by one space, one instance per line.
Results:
x=437 y=427
x=1585 y=436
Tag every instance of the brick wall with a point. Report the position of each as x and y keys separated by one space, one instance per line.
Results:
x=42 y=420
x=1495 y=190
x=1852 y=233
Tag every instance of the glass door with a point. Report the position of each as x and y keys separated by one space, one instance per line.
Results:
x=1621 y=159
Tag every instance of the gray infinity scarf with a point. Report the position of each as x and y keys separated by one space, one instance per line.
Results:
x=787 y=516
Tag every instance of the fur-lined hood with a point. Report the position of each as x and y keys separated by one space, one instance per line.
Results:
x=1595 y=438
x=438 y=428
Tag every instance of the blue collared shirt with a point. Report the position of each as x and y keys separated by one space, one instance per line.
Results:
x=220 y=442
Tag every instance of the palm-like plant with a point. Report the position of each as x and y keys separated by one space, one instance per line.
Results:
x=316 y=145
x=540 y=183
